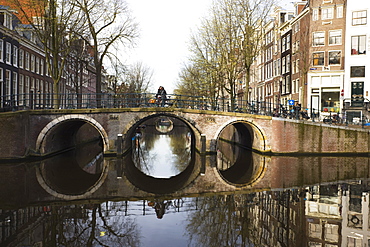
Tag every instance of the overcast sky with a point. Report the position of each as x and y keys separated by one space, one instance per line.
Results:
x=165 y=29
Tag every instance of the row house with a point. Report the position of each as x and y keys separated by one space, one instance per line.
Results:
x=356 y=87
x=326 y=61
x=316 y=56
x=23 y=70
x=24 y=78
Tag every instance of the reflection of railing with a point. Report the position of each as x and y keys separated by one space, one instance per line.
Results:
x=144 y=207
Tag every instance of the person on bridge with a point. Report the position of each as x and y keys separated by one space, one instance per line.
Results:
x=161 y=96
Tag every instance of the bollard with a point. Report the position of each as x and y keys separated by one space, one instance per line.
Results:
x=119 y=144
x=203 y=165
x=119 y=168
x=203 y=143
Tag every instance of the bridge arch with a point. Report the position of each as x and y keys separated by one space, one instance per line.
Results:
x=251 y=135
x=68 y=123
x=130 y=128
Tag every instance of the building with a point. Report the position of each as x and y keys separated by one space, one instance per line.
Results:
x=326 y=71
x=357 y=77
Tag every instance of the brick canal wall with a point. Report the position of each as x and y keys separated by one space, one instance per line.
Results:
x=307 y=137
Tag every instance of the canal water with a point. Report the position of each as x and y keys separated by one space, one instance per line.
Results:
x=164 y=193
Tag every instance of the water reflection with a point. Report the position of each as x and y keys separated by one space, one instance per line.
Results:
x=266 y=201
x=331 y=214
x=160 y=150
x=75 y=172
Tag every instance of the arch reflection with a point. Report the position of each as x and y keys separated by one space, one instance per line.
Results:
x=235 y=159
x=76 y=172
x=162 y=157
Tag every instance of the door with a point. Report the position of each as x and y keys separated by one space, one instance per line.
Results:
x=357 y=94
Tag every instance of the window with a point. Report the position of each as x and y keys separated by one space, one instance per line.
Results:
x=32 y=63
x=358 y=45
x=359 y=18
x=315 y=15
x=8 y=52
x=335 y=37
x=339 y=11
x=318 y=58
x=41 y=66
x=27 y=61
x=334 y=57
x=357 y=71
x=15 y=55
x=326 y=13
x=21 y=84
x=354 y=242
x=27 y=85
x=1 y=50
x=15 y=82
x=318 y=38
x=6 y=20
x=287 y=63
x=283 y=65
x=297 y=66
x=7 y=83
x=37 y=65
x=21 y=58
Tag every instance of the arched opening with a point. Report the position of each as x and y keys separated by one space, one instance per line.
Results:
x=235 y=161
x=69 y=132
x=161 y=156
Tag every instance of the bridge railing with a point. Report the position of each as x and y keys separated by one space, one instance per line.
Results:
x=139 y=100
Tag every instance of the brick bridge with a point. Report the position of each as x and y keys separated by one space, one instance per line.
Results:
x=45 y=132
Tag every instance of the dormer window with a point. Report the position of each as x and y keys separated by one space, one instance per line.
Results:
x=6 y=20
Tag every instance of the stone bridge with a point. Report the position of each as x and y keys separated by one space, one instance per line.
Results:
x=47 y=132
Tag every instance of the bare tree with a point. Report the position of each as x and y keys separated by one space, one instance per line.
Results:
x=54 y=23
x=108 y=22
x=228 y=42
x=137 y=79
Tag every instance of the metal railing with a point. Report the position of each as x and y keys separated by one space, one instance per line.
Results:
x=35 y=101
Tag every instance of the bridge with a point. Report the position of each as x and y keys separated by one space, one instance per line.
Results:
x=45 y=132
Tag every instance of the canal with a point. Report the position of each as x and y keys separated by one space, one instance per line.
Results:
x=164 y=193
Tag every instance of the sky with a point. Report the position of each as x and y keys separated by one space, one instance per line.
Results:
x=165 y=28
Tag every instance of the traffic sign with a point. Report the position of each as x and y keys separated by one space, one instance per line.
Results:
x=291 y=102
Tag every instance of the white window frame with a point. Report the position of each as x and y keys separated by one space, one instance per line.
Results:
x=316 y=36
x=1 y=50
x=15 y=56
x=21 y=84
x=42 y=66
x=27 y=60
x=33 y=62
x=21 y=58
x=313 y=58
x=37 y=65
x=358 y=18
x=340 y=57
x=15 y=82
x=315 y=14
x=339 y=11
x=7 y=83
x=334 y=34
x=327 y=13
x=8 y=53
x=358 y=44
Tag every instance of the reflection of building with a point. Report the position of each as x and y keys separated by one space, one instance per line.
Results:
x=355 y=230
x=323 y=215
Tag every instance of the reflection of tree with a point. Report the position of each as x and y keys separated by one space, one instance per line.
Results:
x=179 y=148
x=143 y=147
x=90 y=225
x=216 y=223
x=178 y=142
